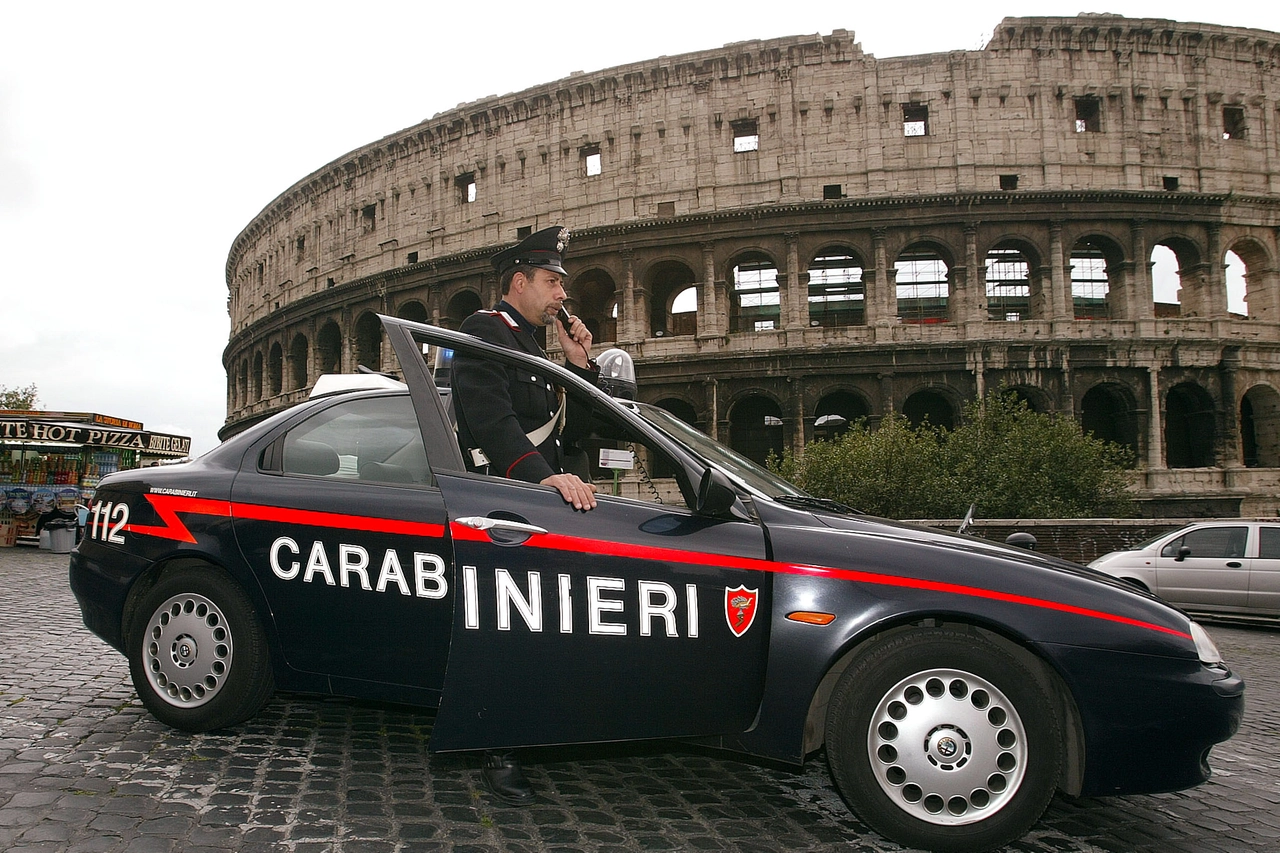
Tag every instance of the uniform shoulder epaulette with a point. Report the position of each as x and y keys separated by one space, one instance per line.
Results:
x=506 y=318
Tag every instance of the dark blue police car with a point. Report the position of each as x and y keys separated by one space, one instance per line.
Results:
x=342 y=547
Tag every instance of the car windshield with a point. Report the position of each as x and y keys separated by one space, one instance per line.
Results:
x=757 y=478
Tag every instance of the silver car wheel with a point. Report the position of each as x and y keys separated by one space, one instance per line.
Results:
x=947 y=747
x=187 y=650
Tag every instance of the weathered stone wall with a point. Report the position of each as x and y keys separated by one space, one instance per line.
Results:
x=1063 y=137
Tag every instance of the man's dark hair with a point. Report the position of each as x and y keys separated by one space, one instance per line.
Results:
x=508 y=276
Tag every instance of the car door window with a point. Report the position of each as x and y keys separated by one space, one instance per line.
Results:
x=374 y=439
x=1269 y=543
x=1210 y=542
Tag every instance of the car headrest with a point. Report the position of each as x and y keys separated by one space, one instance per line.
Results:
x=310 y=457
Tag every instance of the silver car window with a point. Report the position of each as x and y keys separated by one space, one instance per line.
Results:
x=1210 y=542
x=1269 y=543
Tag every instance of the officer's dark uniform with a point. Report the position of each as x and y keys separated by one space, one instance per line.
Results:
x=498 y=407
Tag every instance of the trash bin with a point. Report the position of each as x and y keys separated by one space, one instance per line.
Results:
x=62 y=535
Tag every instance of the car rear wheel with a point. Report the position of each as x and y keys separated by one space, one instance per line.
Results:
x=942 y=740
x=197 y=653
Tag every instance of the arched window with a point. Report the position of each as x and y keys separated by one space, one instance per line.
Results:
x=1089 y=283
x=673 y=300
x=369 y=341
x=415 y=311
x=1260 y=427
x=1107 y=412
x=593 y=297
x=275 y=369
x=755 y=428
x=1008 y=284
x=1165 y=283
x=922 y=285
x=755 y=300
x=329 y=348
x=255 y=377
x=462 y=305
x=929 y=406
x=680 y=409
x=1189 y=427
x=837 y=295
x=1236 y=270
x=836 y=412
x=298 y=360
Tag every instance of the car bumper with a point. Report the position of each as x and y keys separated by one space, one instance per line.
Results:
x=100 y=580
x=1149 y=722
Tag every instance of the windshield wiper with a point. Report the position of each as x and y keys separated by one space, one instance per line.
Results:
x=810 y=502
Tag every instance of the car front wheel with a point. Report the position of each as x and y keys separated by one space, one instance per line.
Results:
x=942 y=740
x=197 y=653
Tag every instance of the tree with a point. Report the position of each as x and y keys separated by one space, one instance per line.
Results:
x=19 y=398
x=1006 y=459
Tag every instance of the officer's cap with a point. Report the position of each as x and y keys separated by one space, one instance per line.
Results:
x=542 y=250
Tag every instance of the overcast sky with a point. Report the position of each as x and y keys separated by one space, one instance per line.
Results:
x=138 y=139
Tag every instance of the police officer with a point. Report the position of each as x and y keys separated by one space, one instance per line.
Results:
x=514 y=424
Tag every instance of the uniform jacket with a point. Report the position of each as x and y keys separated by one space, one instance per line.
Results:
x=497 y=406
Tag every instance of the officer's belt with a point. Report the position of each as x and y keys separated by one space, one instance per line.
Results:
x=539 y=435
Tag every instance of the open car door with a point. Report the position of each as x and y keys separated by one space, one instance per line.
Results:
x=645 y=617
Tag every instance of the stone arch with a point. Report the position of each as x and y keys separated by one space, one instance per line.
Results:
x=756 y=427
x=755 y=298
x=329 y=348
x=837 y=411
x=922 y=276
x=461 y=305
x=933 y=405
x=1037 y=399
x=1108 y=412
x=1164 y=282
x=414 y=310
x=242 y=383
x=256 y=375
x=1015 y=282
x=1259 y=288
x=1098 y=278
x=837 y=293
x=298 y=361
x=1260 y=427
x=665 y=280
x=682 y=409
x=1190 y=431
x=369 y=341
x=1187 y=284
x=275 y=369
x=594 y=298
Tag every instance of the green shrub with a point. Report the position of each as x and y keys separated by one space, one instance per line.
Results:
x=1009 y=461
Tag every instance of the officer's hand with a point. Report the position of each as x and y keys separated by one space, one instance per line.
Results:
x=573 y=490
x=576 y=343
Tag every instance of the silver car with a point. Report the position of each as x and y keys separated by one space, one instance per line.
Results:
x=1229 y=567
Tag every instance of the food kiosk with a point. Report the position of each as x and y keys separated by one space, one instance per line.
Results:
x=51 y=462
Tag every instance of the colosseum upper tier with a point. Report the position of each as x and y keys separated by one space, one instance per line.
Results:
x=789 y=235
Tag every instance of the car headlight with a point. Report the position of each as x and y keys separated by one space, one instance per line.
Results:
x=1205 y=648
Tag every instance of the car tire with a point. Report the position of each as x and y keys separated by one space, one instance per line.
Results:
x=940 y=739
x=197 y=652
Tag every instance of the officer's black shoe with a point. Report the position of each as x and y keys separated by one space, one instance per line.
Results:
x=505 y=780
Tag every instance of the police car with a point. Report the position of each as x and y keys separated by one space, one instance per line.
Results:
x=342 y=547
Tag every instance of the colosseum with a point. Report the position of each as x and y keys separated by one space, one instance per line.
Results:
x=789 y=235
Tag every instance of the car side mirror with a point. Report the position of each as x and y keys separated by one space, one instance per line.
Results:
x=715 y=494
x=1183 y=553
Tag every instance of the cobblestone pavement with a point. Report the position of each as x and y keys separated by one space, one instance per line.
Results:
x=84 y=768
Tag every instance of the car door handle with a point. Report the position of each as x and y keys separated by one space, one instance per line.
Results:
x=476 y=522
x=1234 y=564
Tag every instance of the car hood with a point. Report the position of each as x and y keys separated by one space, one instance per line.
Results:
x=866 y=524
